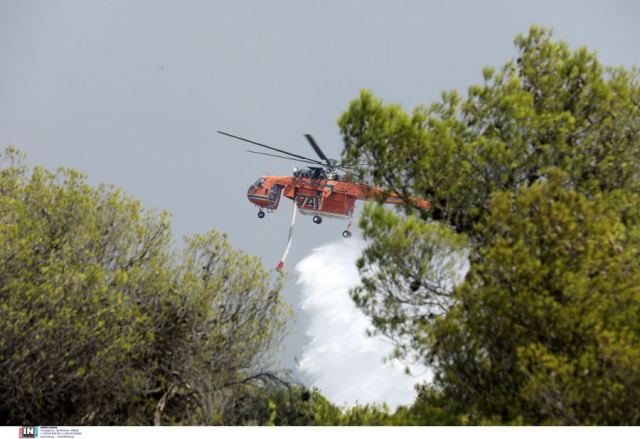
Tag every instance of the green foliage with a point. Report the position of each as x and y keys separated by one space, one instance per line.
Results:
x=297 y=406
x=537 y=171
x=550 y=108
x=429 y=408
x=304 y=407
x=407 y=273
x=101 y=322
x=288 y=405
x=545 y=326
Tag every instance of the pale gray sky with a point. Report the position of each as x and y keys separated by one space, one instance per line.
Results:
x=132 y=92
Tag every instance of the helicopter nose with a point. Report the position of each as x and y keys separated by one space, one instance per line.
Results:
x=254 y=196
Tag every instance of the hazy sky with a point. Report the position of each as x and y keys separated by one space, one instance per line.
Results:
x=132 y=92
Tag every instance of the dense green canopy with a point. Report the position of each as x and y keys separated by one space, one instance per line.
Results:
x=102 y=322
x=535 y=182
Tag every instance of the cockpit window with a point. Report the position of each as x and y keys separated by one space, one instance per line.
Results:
x=258 y=184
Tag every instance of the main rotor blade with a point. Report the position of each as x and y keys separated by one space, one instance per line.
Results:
x=354 y=166
x=317 y=149
x=348 y=170
x=271 y=148
x=282 y=157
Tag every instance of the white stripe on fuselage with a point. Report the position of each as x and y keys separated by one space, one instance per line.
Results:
x=323 y=214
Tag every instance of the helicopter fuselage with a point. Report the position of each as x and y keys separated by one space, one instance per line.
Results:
x=321 y=197
x=316 y=190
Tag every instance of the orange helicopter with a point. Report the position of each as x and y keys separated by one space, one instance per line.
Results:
x=317 y=190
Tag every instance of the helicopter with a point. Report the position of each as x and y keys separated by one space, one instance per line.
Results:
x=317 y=190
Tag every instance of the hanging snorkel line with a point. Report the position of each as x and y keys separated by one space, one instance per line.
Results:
x=280 y=265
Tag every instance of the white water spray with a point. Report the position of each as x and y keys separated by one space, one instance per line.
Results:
x=341 y=360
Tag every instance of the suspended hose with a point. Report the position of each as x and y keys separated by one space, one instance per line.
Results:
x=280 y=265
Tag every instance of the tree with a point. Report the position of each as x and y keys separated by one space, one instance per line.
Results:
x=510 y=346
x=298 y=406
x=408 y=272
x=102 y=322
x=549 y=108
x=545 y=327
x=218 y=343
